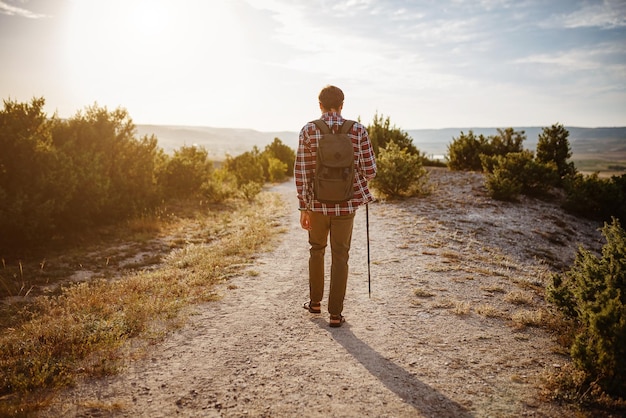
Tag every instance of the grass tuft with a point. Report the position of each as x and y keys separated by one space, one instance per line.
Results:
x=519 y=298
x=528 y=318
x=423 y=293
x=488 y=311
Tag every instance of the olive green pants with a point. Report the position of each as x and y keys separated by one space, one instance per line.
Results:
x=340 y=230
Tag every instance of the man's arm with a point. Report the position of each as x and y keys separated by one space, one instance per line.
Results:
x=367 y=160
x=303 y=170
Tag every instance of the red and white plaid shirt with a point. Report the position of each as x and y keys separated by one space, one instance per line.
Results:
x=304 y=169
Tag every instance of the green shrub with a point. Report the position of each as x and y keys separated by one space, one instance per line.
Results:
x=517 y=172
x=381 y=133
x=283 y=154
x=593 y=294
x=468 y=152
x=595 y=197
x=400 y=173
x=506 y=141
x=464 y=153
x=553 y=146
x=32 y=188
x=250 y=190
x=246 y=167
x=277 y=170
x=110 y=174
x=59 y=175
x=502 y=186
x=220 y=186
x=185 y=172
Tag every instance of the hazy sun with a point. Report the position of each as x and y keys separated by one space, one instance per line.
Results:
x=115 y=49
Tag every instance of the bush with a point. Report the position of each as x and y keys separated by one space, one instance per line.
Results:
x=464 y=153
x=505 y=142
x=553 y=146
x=185 y=173
x=381 y=133
x=595 y=197
x=467 y=152
x=32 y=189
x=283 y=154
x=60 y=175
x=593 y=294
x=516 y=173
x=276 y=170
x=110 y=173
x=399 y=172
x=246 y=167
x=250 y=190
x=220 y=186
x=502 y=185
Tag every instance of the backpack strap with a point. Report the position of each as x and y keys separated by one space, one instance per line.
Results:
x=345 y=128
x=321 y=125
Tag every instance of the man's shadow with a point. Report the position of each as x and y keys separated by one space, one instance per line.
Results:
x=425 y=399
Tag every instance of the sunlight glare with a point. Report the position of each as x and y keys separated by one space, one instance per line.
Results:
x=126 y=52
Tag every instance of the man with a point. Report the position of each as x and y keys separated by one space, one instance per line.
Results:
x=321 y=219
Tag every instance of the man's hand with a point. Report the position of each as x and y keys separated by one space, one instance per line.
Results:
x=305 y=220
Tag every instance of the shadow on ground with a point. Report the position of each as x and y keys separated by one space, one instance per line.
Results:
x=425 y=399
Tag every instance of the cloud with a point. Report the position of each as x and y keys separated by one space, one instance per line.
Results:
x=10 y=10
x=609 y=14
x=565 y=61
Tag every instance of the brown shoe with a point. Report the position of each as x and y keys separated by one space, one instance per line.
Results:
x=313 y=307
x=336 y=321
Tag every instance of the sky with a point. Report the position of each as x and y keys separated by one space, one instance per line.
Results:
x=260 y=64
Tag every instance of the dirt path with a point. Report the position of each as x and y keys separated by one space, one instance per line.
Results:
x=436 y=338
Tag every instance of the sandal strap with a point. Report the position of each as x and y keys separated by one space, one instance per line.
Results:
x=336 y=320
x=313 y=307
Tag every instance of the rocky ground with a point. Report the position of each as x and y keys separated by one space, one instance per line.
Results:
x=456 y=285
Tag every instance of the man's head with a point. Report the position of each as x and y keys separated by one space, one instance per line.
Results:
x=331 y=99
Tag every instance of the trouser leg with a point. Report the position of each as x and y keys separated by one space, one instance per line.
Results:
x=318 y=238
x=340 y=239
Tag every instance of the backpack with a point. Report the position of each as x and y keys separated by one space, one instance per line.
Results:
x=334 y=170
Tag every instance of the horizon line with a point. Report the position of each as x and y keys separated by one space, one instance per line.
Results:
x=410 y=129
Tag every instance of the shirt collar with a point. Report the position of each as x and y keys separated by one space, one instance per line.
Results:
x=332 y=116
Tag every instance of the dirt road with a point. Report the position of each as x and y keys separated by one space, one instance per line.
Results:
x=437 y=338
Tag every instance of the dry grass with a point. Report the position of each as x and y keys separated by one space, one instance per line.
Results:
x=488 y=311
x=82 y=331
x=423 y=293
x=461 y=307
x=456 y=306
x=519 y=298
x=493 y=289
x=529 y=318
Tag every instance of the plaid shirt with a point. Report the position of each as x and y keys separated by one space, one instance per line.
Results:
x=304 y=169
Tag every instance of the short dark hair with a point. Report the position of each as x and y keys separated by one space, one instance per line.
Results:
x=331 y=97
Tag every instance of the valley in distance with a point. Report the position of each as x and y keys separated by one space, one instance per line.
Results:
x=594 y=149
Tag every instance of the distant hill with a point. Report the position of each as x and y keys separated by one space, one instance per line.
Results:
x=217 y=141
x=610 y=142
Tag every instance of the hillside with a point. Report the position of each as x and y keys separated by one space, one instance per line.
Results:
x=455 y=326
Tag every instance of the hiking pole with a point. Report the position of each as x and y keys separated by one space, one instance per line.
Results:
x=367 y=229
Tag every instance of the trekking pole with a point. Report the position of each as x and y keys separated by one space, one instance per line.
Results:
x=367 y=229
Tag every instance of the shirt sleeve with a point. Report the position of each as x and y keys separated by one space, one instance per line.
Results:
x=367 y=160
x=303 y=170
